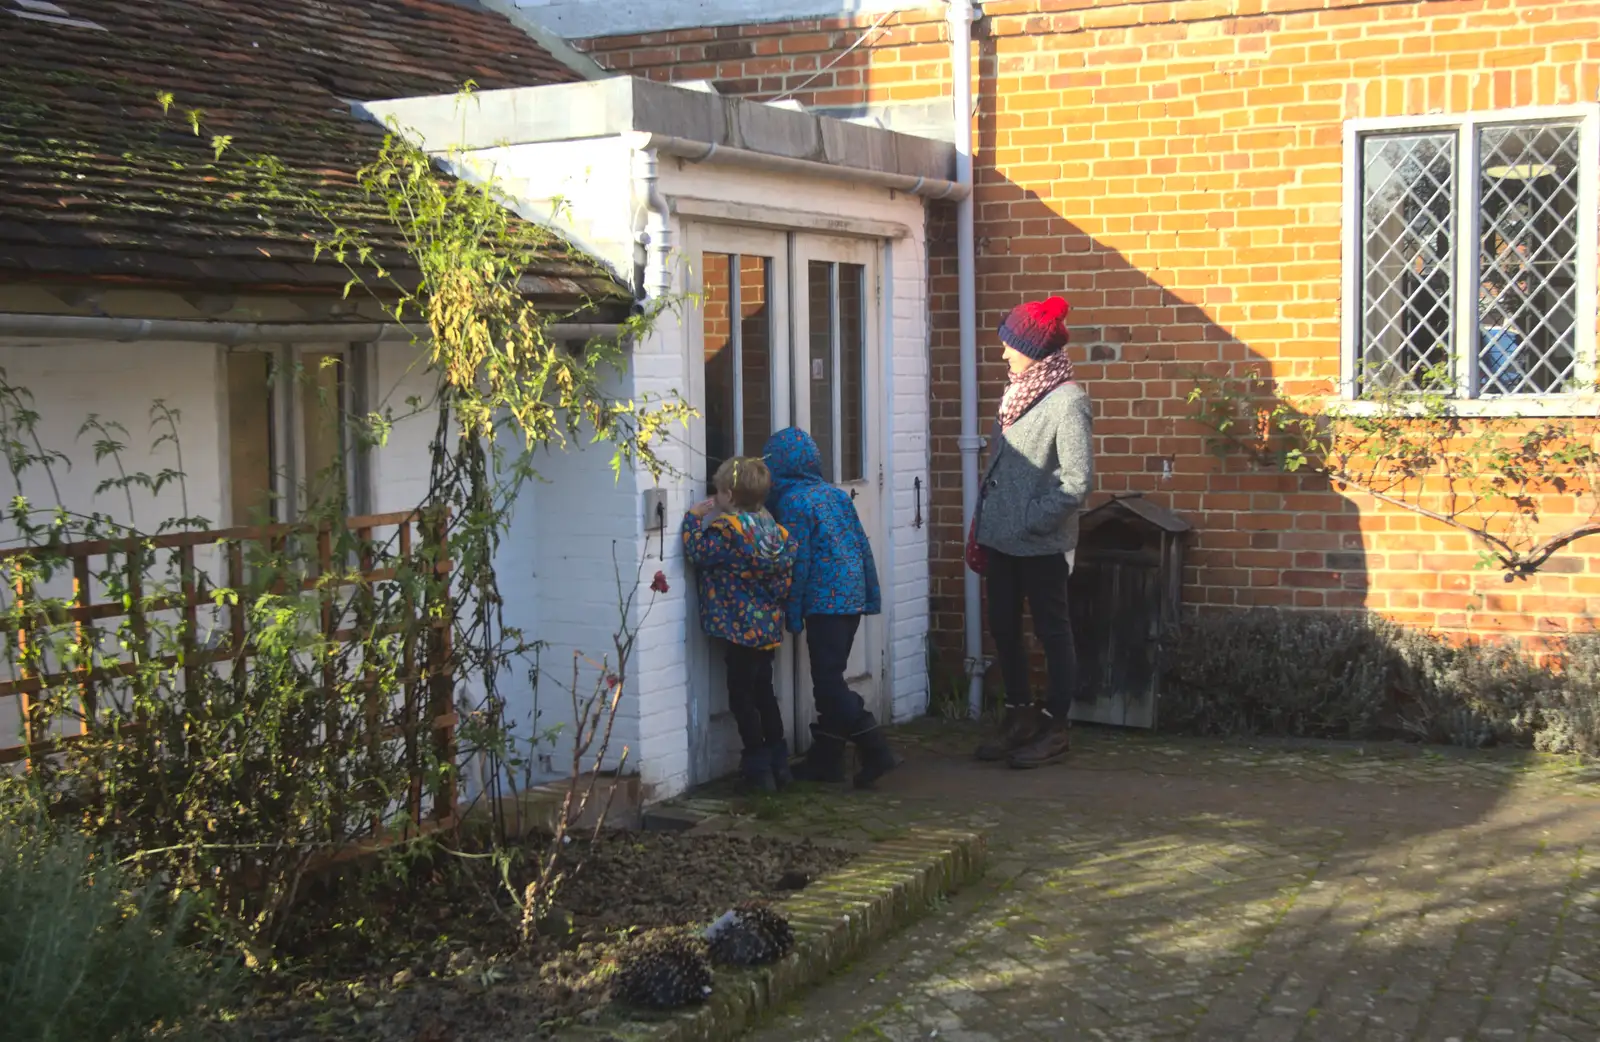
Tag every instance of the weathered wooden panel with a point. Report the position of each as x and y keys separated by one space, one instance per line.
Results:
x=1116 y=622
x=1125 y=594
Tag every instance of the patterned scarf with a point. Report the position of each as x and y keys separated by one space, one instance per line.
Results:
x=1032 y=384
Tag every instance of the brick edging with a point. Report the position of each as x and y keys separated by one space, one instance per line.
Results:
x=835 y=920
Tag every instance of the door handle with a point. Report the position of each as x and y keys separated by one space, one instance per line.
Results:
x=854 y=492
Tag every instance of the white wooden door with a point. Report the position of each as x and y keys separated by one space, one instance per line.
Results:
x=739 y=337
x=836 y=376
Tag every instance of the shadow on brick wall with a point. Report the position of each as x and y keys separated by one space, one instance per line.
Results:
x=1262 y=538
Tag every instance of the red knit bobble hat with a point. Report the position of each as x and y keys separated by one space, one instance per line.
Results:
x=1035 y=328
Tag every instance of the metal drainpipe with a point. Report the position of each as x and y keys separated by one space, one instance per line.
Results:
x=960 y=17
x=656 y=236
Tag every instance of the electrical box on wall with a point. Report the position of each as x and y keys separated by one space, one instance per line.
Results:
x=655 y=508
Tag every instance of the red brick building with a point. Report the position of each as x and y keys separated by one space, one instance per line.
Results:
x=1177 y=170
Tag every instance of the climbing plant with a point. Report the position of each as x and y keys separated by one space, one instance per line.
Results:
x=1489 y=477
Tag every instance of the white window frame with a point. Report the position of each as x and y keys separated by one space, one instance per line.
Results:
x=1468 y=224
x=288 y=415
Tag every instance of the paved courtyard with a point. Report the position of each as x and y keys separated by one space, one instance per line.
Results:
x=1230 y=892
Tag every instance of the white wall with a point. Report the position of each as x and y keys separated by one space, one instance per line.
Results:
x=571 y=535
x=660 y=367
x=555 y=563
x=400 y=468
x=584 y=188
x=72 y=379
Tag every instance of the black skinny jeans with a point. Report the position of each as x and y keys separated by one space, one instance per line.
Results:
x=840 y=711
x=1042 y=582
x=751 y=697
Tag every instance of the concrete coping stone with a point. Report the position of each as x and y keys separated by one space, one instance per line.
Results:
x=620 y=105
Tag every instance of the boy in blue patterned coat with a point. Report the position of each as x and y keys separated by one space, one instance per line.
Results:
x=744 y=564
x=835 y=584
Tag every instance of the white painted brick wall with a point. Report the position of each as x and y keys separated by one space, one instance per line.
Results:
x=660 y=369
x=570 y=535
x=400 y=467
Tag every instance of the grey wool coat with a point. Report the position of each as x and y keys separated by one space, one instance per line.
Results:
x=1040 y=473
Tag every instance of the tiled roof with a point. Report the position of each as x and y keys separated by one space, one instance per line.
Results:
x=95 y=180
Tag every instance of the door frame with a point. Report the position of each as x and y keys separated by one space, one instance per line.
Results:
x=705 y=675
x=790 y=251
x=867 y=675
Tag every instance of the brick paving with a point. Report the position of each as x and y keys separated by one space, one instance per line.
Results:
x=1227 y=892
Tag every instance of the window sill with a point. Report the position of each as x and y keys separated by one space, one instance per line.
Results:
x=1531 y=407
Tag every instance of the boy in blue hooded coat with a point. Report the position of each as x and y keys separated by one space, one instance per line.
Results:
x=835 y=584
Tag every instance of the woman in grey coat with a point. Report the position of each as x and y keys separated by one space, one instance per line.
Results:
x=1040 y=471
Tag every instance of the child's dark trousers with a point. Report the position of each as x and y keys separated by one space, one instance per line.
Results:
x=840 y=711
x=751 y=697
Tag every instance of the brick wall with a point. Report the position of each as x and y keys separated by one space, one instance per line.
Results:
x=1175 y=170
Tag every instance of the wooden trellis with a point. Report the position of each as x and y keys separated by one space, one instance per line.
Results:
x=426 y=676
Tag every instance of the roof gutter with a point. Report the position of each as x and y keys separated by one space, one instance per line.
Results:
x=714 y=154
x=125 y=330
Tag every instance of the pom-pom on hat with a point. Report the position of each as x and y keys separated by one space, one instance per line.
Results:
x=1035 y=328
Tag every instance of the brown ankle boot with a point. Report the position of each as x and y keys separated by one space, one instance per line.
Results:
x=1019 y=727
x=1049 y=745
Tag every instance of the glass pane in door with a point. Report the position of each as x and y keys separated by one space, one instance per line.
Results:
x=736 y=314
x=852 y=372
x=821 y=298
x=755 y=353
x=720 y=413
x=836 y=319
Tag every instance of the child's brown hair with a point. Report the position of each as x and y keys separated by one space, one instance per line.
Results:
x=746 y=479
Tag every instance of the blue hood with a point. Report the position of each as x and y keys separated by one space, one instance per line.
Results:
x=792 y=457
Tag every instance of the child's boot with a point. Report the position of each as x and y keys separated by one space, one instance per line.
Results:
x=778 y=756
x=755 y=768
x=824 y=761
x=873 y=753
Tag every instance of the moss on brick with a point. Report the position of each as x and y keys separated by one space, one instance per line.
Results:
x=836 y=920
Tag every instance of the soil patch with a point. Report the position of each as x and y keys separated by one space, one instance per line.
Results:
x=427 y=952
